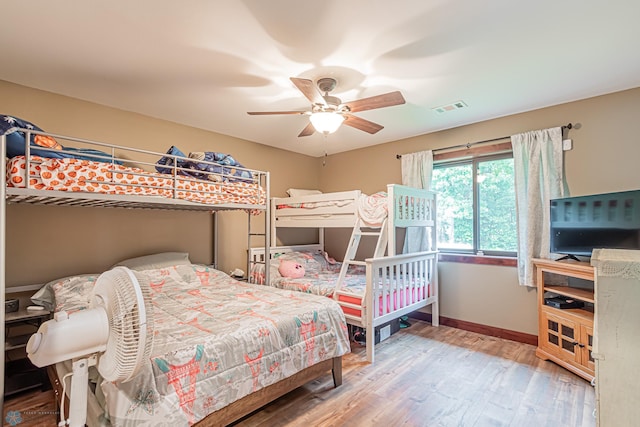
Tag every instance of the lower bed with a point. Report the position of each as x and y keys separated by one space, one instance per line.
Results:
x=387 y=288
x=321 y=276
x=320 y=270
x=217 y=341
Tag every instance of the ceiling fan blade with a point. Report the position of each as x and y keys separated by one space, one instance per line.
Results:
x=264 y=113
x=379 y=101
x=309 y=90
x=361 y=124
x=308 y=130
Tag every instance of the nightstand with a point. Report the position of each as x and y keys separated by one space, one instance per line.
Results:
x=20 y=373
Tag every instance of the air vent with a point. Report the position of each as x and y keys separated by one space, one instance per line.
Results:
x=450 y=107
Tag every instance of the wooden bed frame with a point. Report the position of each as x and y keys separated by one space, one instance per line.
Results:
x=248 y=404
x=254 y=401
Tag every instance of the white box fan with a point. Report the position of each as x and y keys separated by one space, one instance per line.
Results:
x=115 y=334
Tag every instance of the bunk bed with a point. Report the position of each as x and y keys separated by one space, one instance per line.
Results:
x=43 y=169
x=372 y=292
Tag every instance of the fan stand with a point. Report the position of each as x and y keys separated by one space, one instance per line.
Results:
x=78 y=394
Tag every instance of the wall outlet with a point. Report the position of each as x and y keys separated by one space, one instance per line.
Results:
x=567 y=144
x=385 y=333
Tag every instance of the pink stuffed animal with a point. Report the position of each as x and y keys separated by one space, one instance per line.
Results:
x=291 y=269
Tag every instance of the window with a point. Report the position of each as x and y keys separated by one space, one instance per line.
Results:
x=476 y=205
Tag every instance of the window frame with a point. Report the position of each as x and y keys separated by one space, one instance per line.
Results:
x=476 y=255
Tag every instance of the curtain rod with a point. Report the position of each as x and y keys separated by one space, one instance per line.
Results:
x=469 y=144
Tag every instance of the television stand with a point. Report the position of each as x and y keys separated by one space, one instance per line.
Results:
x=565 y=335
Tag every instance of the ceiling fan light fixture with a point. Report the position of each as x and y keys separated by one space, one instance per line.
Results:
x=326 y=122
x=328 y=112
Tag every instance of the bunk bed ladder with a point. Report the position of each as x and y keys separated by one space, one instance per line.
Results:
x=266 y=236
x=349 y=258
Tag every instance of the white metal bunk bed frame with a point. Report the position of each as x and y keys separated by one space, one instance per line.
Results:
x=407 y=207
x=84 y=199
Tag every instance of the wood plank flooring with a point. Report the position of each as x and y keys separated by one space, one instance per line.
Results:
x=423 y=376
x=426 y=376
x=35 y=408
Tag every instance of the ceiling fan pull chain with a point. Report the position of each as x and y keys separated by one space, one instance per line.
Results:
x=324 y=159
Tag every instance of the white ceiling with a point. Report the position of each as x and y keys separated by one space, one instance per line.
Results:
x=205 y=63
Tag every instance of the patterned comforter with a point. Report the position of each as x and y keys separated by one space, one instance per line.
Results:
x=217 y=340
x=70 y=174
x=321 y=274
x=323 y=283
x=320 y=277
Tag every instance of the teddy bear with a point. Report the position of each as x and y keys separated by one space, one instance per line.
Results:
x=291 y=269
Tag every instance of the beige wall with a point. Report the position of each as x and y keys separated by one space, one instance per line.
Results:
x=45 y=243
x=62 y=241
x=604 y=159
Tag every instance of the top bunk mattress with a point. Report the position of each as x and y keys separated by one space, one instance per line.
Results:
x=86 y=176
x=404 y=206
x=40 y=168
x=340 y=207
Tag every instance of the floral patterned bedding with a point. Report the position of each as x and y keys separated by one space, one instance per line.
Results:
x=321 y=276
x=70 y=174
x=321 y=273
x=322 y=283
x=216 y=340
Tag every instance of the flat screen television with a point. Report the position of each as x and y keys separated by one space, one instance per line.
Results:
x=581 y=224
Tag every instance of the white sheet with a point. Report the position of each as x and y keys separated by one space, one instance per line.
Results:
x=373 y=209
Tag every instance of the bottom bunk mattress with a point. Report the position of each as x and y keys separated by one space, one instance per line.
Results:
x=320 y=276
x=216 y=340
x=319 y=273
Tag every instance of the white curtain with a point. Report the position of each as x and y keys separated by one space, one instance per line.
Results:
x=417 y=169
x=539 y=177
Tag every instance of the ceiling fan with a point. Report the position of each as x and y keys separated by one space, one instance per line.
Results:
x=329 y=112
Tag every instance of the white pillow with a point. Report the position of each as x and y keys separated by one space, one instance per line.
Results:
x=160 y=260
x=296 y=192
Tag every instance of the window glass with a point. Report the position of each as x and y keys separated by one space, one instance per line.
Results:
x=497 y=206
x=476 y=205
x=454 y=189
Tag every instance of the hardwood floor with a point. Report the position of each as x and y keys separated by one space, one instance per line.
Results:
x=426 y=376
x=30 y=409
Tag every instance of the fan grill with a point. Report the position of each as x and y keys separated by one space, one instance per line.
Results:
x=126 y=298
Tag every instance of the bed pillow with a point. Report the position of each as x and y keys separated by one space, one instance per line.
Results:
x=168 y=161
x=44 y=297
x=296 y=192
x=16 y=140
x=16 y=143
x=225 y=169
x=70 y=294
x=160 y=260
